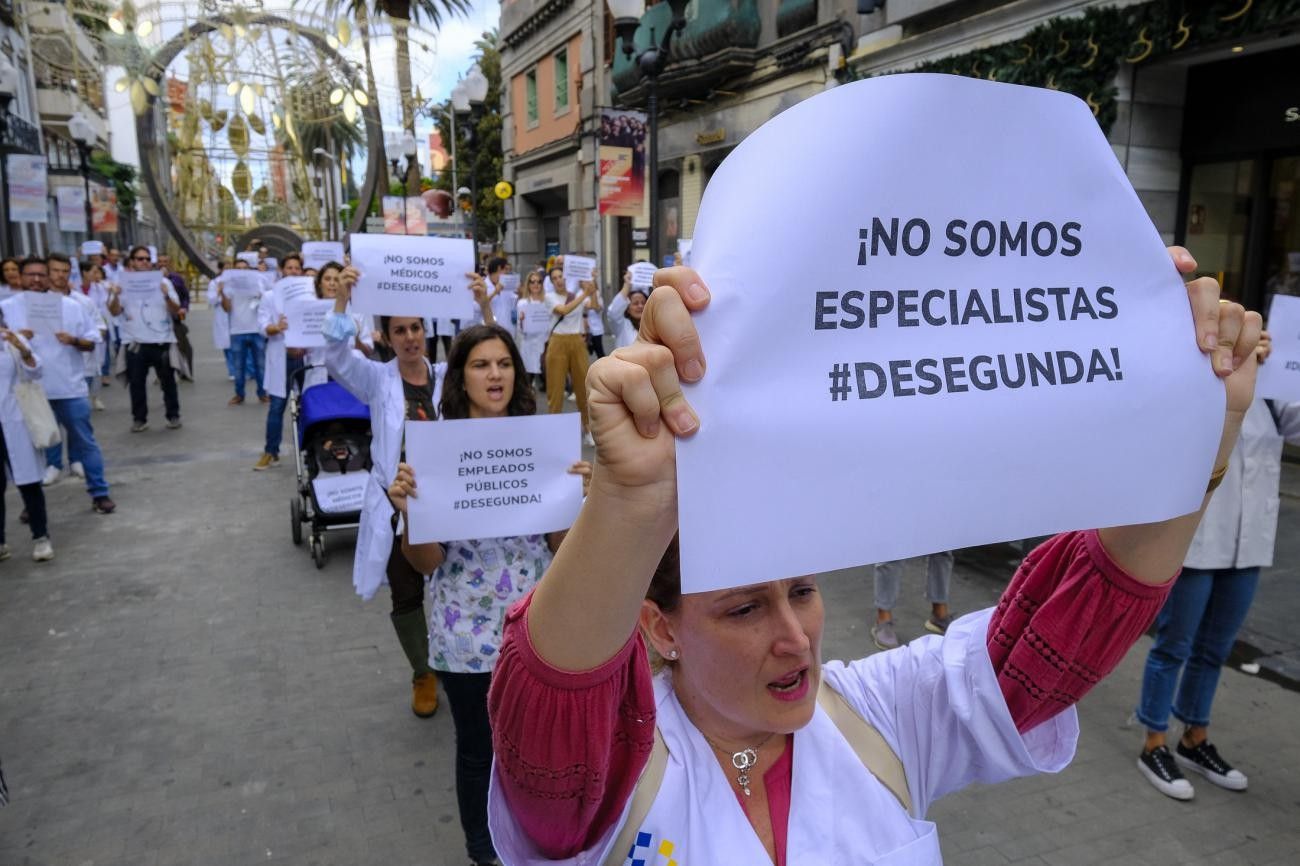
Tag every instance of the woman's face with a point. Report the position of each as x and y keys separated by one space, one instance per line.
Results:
x=329 y=283
x=489 y=379
x=748 y=658
x=95 y=274
x=406 y=337
x=535 y=288
x=557 y=279
x=635 y=306
x=12 y=275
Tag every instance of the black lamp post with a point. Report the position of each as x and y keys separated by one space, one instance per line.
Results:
x=83 y=133
x=467 y=100
x=627 y=18
x=9 y=81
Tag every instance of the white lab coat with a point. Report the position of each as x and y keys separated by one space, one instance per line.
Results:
x=1240 y=523
x=936 y=702
x=220 y=318
x=26 y=464
x=275 y=369
x=378 y=385
x=624 y=331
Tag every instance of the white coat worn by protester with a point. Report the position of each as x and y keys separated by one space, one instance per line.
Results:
x=26 y=464
x=275 y=370
x=220 y=318
x=1240 y=523
x=379 y=386
x=624 y=331
x=935 y=701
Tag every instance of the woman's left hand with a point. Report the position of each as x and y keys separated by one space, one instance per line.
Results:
x=403 y=487
x=583 y=468
x=1225 y=331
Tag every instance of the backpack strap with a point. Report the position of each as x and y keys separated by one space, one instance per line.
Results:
x=866 y=742
x=643 y=795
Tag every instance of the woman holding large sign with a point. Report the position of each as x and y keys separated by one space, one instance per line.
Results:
x=790 y=759
x=476 y=580
x=407 y=387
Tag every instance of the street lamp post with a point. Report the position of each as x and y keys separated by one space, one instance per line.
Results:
x=9 y=82
x=331 y=205
x=393 y=147
x=83 y=133
x=627 y=18
x=467 y=99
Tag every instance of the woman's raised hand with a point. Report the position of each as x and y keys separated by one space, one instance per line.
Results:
x=1225 y=331
x=343 y=294
x=402 y=488
x=634 y=396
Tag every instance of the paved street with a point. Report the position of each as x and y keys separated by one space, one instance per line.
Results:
x=181 y=686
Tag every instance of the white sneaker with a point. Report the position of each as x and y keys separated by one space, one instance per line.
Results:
x=43 y=551
x=98 y=404
x=570 y=398
x=77 y=469
x=4 y=552
x=587 y=440
x=52 y=476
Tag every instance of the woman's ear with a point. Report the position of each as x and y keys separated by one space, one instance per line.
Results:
x=658 y=629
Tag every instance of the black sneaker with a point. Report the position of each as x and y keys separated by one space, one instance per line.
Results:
x=1162 y=772
x=1204 y=759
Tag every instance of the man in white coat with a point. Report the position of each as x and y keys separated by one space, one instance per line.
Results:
x=60 y=350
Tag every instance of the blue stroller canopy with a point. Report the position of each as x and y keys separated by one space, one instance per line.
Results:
x=329 y=402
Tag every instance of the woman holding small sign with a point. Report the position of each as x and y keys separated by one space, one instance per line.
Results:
x=475 y=581
x=534 y=321
x=406 y=387
x=566 y=349
x=791 y=760
x=625 y=312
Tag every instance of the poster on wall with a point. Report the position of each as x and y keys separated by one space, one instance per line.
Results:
x=71 y=205
x=28 y=188
x=622 y=161
x=417 y=216
x=103 y=209
x=394 y=215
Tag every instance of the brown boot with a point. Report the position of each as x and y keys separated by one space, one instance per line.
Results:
x=424 y=695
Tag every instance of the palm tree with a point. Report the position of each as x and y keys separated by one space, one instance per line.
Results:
x=402 y=14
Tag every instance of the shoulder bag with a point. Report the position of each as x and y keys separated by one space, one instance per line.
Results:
x=42 y=426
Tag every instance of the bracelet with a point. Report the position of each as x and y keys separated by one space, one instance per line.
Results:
x=1216 y=478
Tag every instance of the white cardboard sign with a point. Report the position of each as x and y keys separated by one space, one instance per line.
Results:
x=576 y=270
x=642 y=275
x=538 y=319
x=92 y=248
x=493 y=477
x=413 y=276
x=337 y=494
x=1279 y=376
x=241 y=282
x=44 y=312
x=143 y=285
x=249 y=256
x=318 y=254
x=510 y=283
x=684 y=249
x=982 y=337
x=292 y=289
x=306 y=318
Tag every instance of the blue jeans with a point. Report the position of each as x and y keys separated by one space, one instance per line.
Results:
x=250 y=352
x=230 y=362
x=73 y=415
x=275 y=410
x=1194 y=633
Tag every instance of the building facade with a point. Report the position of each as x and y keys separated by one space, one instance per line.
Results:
x=1200 y=102
x=20 y=132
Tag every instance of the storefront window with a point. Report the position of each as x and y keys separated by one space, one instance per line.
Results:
x=1282 y=257
x=1218 y=218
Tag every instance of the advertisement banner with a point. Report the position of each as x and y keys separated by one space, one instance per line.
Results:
x=394 y=215
x=28 y=189
x=417 y=217
x=71 y=206
x=622 y=161
x=103 y=209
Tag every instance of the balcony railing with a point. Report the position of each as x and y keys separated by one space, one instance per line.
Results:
x=19 y=136
x=717 y=27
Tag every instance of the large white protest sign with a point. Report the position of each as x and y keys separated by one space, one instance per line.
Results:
x=642 y=275
x=510 y=283
x=140 y=284
x=980 y=337
x=1279 y=376
x=491 y=477
x=249 y=256
x=44 y=312
x=318 y=254
x=577 y=269
x=292 y=289
x=538 y=319
x=339 y=494
x=242 y=282
x=413 y=276
x=306 y=318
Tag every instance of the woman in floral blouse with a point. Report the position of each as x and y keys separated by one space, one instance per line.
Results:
x=475 y=581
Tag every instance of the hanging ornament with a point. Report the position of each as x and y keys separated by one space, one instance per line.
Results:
x=241 y=179
x=257 y=124
x=237 y=135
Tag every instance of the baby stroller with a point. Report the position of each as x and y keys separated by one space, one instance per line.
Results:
x=332 y=430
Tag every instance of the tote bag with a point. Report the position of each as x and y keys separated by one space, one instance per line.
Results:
x=37 y=414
